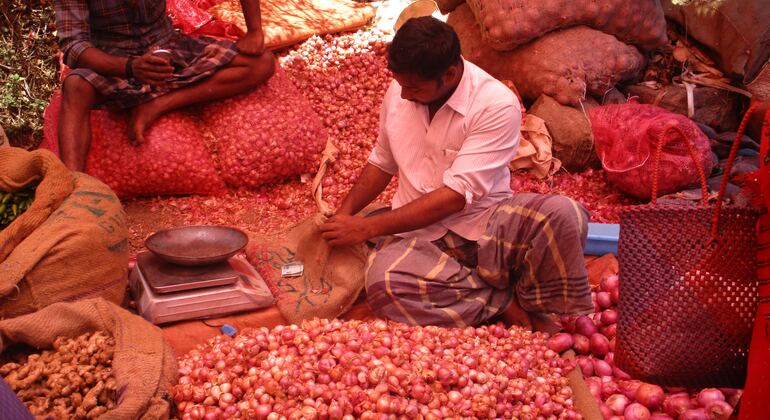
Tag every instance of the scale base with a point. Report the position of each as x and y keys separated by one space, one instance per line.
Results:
x=248 y=293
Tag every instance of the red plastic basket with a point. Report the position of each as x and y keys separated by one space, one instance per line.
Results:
x=688 y=287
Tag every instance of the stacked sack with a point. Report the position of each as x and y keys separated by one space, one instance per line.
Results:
x=267 y=135
x=559 y=54
x=559 y=48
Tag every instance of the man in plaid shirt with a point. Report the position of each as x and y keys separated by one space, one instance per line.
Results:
x=111 y=47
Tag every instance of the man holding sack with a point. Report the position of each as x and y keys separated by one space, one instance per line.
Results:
x=458 y=247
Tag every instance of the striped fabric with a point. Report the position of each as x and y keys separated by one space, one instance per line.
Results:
x=11 y=408
x=532 y=250
x=132 y=26
x=193 y=58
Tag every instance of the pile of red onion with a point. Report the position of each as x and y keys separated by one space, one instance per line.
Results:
x=589 y=188
x=592 y=337
x=268 y=135
x=172 y=160
x=371 y=370
x=345 y=78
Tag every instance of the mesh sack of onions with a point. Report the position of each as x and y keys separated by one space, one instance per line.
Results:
x=626 y=137
x=173 y=160
x=264 y=136
x=371 y=370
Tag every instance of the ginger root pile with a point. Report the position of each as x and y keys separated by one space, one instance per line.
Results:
x=72 y=381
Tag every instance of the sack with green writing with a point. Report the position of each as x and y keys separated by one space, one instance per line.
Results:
x=70 y=244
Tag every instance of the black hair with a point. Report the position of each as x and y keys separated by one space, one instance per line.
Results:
x=424 y=46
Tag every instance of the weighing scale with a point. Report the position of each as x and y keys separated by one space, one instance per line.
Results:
x=174 y=282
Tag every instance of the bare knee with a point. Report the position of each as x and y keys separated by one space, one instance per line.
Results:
x=77 y=92
x=261 y=68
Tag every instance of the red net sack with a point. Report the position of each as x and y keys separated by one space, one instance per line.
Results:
x=173 y=159
x=688 y=288
x=626 y=136
x=268 y=135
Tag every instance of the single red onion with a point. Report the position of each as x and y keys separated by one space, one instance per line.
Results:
x=602 y=368
x=586 y=366
x=629 y=388
x=719 y=410
x=585 y=326
x=604 y=300
x=609 y=283
x=560 y=342
x=609 y=331
x=708 y=395
x=651 y=396
x=617 y=403
x=609 y=387
x=599 y=344
x=581 y=344
x=676 y=404
x=609 y=317
x=636 y=411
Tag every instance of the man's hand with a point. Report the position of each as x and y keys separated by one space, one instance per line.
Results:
x=151 y=69
x=253 y=43
x=342 y=230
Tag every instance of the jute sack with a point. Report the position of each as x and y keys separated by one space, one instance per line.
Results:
x=566 y=64
x=573 y=141
x=332 y=277
x=71 y=243
x=331 y=280
x=144 y=365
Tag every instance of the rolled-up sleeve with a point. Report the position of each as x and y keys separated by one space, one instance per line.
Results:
x=490 y=145
x=381 y=155
x=72 y=28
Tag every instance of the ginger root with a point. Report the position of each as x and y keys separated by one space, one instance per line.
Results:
x=74 y=380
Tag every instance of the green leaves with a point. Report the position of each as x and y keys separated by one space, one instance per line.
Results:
x=13 y=204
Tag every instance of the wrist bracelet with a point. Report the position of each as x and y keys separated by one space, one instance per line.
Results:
x=129 y=69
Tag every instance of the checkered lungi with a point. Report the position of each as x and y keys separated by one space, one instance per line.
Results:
x=193 y=58
x=532 y=251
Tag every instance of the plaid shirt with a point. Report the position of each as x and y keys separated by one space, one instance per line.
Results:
x=122 y=27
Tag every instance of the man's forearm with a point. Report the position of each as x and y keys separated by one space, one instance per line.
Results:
x=426 y=210
x=252 y=15
x=370 y=184
x=102 y=63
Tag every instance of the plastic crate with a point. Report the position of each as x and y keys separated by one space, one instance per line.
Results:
x=602 y=239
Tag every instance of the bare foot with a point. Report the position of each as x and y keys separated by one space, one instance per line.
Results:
x=142 y=117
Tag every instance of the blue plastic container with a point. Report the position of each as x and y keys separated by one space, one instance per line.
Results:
x=602 y=239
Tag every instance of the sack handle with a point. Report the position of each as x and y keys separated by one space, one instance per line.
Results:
x=729 y=168
x=693 y=156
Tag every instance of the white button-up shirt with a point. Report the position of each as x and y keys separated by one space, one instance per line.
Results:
x=466 y=147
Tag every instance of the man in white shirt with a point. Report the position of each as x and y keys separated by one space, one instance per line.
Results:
x=457 y=248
